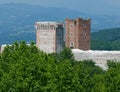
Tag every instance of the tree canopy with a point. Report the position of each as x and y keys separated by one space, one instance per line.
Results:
x=24 y=68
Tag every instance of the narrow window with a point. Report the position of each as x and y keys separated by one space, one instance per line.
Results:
x=71 y=45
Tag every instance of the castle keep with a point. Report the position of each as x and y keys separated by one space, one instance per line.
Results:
x=49 y=36
x=78 y=33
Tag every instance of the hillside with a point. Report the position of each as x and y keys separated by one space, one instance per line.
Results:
x=107 y=35
x=108 y=39
x=17 y=20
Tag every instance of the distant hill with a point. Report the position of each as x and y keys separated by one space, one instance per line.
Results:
x=17 y=20
x=107 y=39
x=112 y=34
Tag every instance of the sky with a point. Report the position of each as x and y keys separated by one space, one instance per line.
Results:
x=109 y=7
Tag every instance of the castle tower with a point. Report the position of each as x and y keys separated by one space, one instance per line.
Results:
x=78 y=34
x=49 y=36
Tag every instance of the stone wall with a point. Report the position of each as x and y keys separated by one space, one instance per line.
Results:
x=99 y=57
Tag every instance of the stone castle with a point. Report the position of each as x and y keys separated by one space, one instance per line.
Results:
x=50 y=35
x=50 y=38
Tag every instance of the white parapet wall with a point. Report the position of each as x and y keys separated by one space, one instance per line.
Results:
x=99 y=57
x=2 y=48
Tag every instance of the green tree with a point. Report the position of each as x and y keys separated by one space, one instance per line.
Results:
x=24 y=68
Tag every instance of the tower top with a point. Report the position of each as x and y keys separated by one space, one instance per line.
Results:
x=49 y=22
x=67 y=19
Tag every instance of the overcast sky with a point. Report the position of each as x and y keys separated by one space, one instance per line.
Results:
x=111 y=7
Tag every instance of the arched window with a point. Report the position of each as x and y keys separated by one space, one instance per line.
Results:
x=71 y=34
x=71 y=44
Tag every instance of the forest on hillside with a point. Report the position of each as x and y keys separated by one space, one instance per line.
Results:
x=24 y=68
x=108 y=39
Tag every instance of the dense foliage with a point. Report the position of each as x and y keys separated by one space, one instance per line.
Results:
x=105 y=45
x=23 y=68
x=108 y=39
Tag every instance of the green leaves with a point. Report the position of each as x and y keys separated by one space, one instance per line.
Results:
x=24 y=68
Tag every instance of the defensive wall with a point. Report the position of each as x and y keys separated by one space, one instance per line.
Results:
x=99 y=57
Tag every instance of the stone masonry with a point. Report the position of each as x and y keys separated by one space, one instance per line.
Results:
x=49 y=36
x=78 y=33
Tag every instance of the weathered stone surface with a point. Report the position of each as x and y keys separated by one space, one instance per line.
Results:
x=78 y=33
x=99 y=57
x=49 y=36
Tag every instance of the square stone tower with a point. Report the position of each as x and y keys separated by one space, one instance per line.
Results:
x=49 y=36
x=78 y=33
